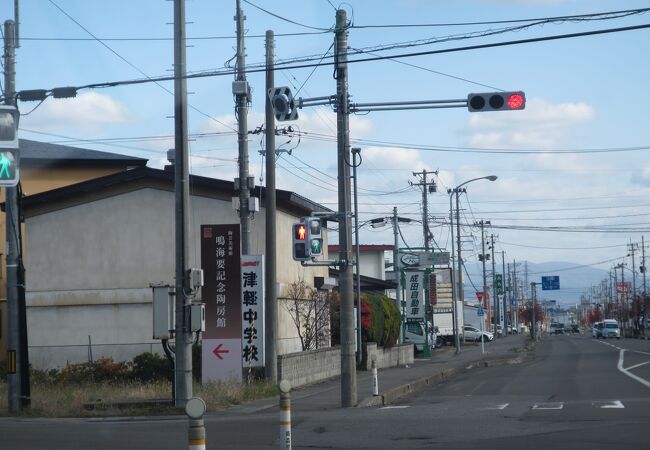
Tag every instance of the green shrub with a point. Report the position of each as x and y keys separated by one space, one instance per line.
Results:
x=103 y=370
x=384 y=323
x=150 y=367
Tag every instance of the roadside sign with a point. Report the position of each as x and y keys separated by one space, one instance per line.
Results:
x=415 y=304
x=252 y=320
x=550 y=283
x=417 y=259
x=479 y=296
x=480 y=311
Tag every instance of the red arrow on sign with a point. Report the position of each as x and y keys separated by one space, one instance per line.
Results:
x=218 y=351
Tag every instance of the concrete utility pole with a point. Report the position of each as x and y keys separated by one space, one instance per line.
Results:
x=396 y=267
x=494 y=289
x=241 y=91
x=503 y=292
x=357 y=259
x=486 y=304
x=14 y=380
x=271 y=306
x=348 y=367
x=633 y=247
x=454 y=284
x=515 y=292
x=533 y=290
x=644 y=270
x=426 y=188
x=183 y=336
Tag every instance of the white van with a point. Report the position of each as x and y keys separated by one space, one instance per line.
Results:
x=610 y=329
x=414 y=334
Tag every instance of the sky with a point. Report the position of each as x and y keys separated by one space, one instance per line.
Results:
x=583 y=94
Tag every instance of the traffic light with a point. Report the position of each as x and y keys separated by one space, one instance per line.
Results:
x=299 y=242
x=314 y=236
x=283 y=104
x=496 y=101
x=9 y=156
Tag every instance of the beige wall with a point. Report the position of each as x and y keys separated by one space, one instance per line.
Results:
x=34 y=181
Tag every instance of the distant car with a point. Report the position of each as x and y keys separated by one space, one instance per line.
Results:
x=610 y=329
x=557 y=328
x=597 y=330
x=512 y=329
x=476 y=335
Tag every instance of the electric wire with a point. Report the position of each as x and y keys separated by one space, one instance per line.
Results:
x=277 y=16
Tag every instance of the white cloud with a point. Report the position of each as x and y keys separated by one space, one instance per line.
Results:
x=540 y=125
x=87 y=112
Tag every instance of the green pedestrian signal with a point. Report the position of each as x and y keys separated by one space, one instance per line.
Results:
x=9 y=156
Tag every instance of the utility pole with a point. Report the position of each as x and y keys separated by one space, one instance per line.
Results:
x=455 y=285
x=426 y=188
x=632 y=249
x=486 y=304
x=241 y=90
x=183 y=336
x=461 y=290
x=14 y=380
x=515 y=292
x=348 y=367
x=644 y=270
x=503 y=292
x=533 y=291
x=396 y=268
x=357 y=260
x=271 y=306
x=497 y=319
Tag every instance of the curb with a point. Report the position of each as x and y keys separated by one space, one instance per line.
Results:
x=391 y=395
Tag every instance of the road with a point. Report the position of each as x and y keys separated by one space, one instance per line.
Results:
x=577 y=392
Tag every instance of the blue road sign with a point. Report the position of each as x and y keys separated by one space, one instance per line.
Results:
x=480 y=312
x=550 y=283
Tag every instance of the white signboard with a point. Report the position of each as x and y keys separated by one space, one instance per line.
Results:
x=414 y=288
x=423 y=259
x=252 y=320
x=501 y=312
x=220 y=359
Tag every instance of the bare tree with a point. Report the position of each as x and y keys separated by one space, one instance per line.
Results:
x=310 y=311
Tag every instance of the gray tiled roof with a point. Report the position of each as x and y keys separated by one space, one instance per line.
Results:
x=43 y=153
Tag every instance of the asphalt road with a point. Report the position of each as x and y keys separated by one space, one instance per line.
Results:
x=576 y=393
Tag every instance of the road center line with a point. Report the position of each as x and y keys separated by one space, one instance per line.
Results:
x=629 y=374
x=637 y=365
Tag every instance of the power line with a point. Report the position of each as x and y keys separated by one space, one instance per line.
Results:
x=230 y=72
x=162 y=39
x=277 y=16
x=497 y=22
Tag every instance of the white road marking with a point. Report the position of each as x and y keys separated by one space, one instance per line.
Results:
x=616 y=404
x=637 y=365
x=626 y=371
x=395 y=407
x=500 y=407
x=557 y=405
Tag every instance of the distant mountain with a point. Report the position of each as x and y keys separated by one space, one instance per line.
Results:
x=575 y=279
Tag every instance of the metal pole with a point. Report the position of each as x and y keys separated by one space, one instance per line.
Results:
x=632 y=252
x=271 y=305
x=357 y=263
x=14 y=379
x=241 y=111
x=183 y=368
x=348 y=369
x=461 y=293
x=375 y=380
x=425 y=211
x=454 y=287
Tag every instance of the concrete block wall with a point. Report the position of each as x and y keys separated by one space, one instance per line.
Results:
x=309 y=367
x=398 y=355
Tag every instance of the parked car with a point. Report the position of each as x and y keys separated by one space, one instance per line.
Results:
x=414 y=334
x=610 y=329
x=597 y=330
x=474 y=334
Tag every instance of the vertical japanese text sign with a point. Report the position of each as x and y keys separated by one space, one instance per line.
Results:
x=252 y=319
x=221 y=263
x=415 y=306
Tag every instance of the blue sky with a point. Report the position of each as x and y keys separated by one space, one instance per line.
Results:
x=583 y=93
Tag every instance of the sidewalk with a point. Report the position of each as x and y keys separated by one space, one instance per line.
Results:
x=396 y=382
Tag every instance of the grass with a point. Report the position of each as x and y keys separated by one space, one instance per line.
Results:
x=68 y=400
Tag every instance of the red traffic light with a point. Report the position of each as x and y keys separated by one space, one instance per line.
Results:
x=300 y=231
x=496 y=101
x=516 y=101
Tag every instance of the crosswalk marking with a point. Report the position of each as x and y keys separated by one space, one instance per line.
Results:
x=553 y=405
x=615 y=404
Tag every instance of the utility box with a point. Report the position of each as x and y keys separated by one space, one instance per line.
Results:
x=197 y=317
x=164 y=312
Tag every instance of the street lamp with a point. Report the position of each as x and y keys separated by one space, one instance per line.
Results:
x=457 y=285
